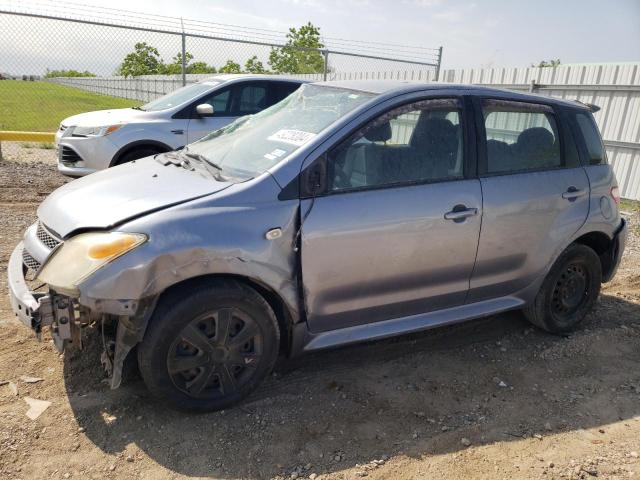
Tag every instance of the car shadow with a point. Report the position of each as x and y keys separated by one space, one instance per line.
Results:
x=493 y=379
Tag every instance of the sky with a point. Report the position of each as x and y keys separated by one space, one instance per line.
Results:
x=480 y=33
x=473 y=34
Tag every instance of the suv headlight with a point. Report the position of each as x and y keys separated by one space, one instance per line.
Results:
x=96 y=131
x=80 y=256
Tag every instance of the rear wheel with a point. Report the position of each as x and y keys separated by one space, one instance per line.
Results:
x=207 y=349
x=568 y=292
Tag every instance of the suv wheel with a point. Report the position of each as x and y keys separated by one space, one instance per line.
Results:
x=136 y=154
x=568 y=292
x=208 y=348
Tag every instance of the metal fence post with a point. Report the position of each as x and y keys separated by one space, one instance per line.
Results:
x=184 y=55
x=438 y=64
x=326 y=64
x=532 y=86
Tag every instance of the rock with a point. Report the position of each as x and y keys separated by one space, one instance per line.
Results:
x=130 y=458
x=27 y=379
x=313 y=476
x=36 y=407
x=14 y=388
x=502 y=384
x=112 y=467
x=294 y=475
x=538 y=436
x=444 y=428
x=634 y=454
x=547 y=427
x=80 y=429
x=466 y=442
x=415 y=435
x=551 y=464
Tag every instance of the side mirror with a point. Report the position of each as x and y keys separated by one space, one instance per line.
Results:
x=314 y=178
x=204 y=110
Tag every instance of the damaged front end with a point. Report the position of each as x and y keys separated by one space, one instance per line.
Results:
x=121 y=324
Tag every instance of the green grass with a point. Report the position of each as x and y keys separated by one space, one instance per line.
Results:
x=630 y=205
x=40 y=106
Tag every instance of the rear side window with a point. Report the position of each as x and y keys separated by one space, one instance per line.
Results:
x=592 y=139
x=520 y=137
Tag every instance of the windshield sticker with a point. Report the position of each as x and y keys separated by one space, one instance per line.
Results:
x=270 y=156
x=278 y=152
x=294 y=137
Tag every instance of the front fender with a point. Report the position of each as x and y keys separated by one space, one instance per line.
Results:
x=210 y=236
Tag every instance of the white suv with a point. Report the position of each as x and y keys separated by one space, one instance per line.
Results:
x=97 y=140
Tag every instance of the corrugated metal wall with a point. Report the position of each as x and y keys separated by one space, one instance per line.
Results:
x=613 y=87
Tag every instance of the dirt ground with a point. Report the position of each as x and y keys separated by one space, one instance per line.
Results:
x=489 y=399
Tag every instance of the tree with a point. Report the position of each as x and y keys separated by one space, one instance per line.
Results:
x=550 y=63
x=68 y=73
x=144 y=60
x=175 y=67
x=230 y=67
x=200 y=67
x=302 y=52
x=253 y=65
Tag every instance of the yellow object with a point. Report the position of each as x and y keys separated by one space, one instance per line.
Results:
x=6 y=136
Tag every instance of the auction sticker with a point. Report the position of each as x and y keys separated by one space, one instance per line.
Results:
x=293 y=137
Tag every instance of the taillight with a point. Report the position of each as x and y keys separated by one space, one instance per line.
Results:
x=615 y=194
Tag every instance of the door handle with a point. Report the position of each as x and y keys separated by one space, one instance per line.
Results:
x=572 y=193
x=178 y=132
x=459 y=214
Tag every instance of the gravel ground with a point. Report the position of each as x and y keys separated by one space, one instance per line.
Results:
x=490 y=399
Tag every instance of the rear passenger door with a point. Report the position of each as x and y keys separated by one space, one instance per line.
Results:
x=397 y=231
x=535 y=194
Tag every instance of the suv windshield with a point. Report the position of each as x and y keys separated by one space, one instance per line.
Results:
x=178 y=97
x=253 y=144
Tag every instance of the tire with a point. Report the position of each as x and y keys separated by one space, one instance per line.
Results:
x=568 y=292
x=136 y=154
x=181 y=359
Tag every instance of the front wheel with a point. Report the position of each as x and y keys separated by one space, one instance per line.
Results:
x=568 y=292
x=208 y=348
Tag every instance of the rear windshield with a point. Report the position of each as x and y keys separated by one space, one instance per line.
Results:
x=253 y=144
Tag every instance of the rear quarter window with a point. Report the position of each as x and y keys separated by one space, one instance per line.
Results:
x=596 y=154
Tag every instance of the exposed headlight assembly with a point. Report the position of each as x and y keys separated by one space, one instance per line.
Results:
x=96 y=131
x=80 y=256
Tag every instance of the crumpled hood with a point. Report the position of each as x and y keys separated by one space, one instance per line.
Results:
x=102 y=118
x=109 y=197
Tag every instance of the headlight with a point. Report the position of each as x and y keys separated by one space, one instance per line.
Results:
x=96 y=131
x=80 y=256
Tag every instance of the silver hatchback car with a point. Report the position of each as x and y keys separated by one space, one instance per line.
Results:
x=347 y=212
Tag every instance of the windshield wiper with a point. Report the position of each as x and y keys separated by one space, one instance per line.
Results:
x=185 y=151
x=208 y=164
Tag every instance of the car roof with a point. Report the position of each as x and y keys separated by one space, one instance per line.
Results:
x=236 y=77
x=397 y=87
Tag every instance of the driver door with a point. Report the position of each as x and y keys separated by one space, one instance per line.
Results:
x=397 y=231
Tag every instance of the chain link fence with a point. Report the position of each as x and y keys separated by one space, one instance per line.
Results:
x=54 y=65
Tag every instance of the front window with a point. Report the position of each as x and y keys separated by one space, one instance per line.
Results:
x=253 y=144
x=177 y=97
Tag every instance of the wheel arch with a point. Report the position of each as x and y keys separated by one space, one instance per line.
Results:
x=283 y=315
x=155 y=144
x=602 y=244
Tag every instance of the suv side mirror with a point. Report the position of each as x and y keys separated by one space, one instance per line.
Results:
x=204 y=110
